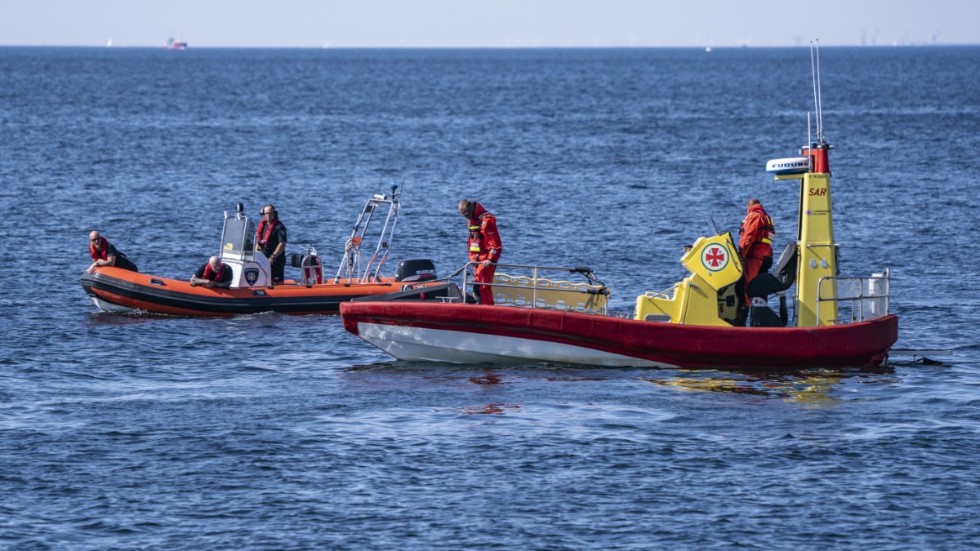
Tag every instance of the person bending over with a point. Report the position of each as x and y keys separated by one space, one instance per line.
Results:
x=484 y=246
x=213 y=273
x=104 y=254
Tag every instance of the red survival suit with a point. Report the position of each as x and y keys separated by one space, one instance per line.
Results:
x=484 y=244
x=755 y=242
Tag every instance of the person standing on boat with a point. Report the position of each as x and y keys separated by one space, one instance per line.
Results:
x=213 y=273
x=755 y=241
x=104 y=254
x=484 y=246
x=270 y=238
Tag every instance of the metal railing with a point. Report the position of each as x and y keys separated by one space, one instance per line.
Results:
x=368 y=271
x=865 y=298
x=524 y=285
x=665 y=293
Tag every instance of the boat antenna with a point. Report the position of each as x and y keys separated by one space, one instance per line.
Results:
x=714 y=227
x=817 y=101
x=809 y=131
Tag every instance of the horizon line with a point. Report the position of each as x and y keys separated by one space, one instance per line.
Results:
x=542 y=47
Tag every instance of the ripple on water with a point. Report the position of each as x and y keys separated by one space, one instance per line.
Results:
x=275 y=431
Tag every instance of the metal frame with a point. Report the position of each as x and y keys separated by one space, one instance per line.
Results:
x=537 y=283
x=872 y=290
x=350 y=265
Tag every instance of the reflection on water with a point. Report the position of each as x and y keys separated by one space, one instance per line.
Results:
x=812 y=386
x=818 y=386
x=288 y=432
x=490 y=409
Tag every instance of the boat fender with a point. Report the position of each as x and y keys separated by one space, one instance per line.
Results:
x=312 y=270
x=296 y=260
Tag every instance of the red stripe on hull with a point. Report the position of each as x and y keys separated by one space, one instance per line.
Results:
x=862 y=344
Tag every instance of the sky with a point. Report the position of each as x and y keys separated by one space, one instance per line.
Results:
x=487 y=23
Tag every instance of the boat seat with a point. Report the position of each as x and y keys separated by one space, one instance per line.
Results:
x=760 y=315
x=768 y=283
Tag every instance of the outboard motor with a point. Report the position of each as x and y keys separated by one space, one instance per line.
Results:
x=418 y=269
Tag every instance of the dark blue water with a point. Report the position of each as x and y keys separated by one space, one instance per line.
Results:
x=273 y=431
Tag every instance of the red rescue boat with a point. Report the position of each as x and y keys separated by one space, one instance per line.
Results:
x=465 y=333
x=836 y=321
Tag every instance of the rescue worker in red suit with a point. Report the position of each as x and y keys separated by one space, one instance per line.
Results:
x=104 y=254
x=213 y=274
x=484 y=246
x=270 y=238
x=755 y=241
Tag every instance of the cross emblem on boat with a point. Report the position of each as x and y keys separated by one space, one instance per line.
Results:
x=715 y=256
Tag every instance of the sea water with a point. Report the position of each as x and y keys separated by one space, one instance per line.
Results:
x=270 y=431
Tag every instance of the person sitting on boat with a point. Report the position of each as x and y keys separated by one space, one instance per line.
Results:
x=484 y=246
x=270 y=238
x=755 y=241
x=104 y=254
x=213 y=273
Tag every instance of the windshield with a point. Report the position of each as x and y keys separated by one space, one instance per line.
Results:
x=237 y=238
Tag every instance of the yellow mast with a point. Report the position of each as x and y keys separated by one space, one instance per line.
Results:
x=816 y=288
x=816 y=303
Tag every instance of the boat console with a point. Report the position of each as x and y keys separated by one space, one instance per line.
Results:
x=250 y=268
x=707 y=296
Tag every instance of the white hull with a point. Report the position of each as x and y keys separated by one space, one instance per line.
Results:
x=439 y=345
x=110 y=307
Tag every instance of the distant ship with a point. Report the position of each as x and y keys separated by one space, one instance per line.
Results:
x=176 y=44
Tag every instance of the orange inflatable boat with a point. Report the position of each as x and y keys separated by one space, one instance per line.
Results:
x=360 y=274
